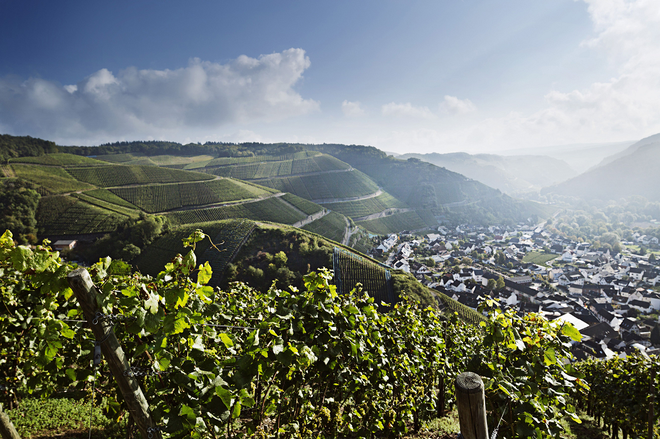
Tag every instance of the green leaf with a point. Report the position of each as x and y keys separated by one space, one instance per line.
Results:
x=549 y=357
x=71 y=373
x=227 y=341
x=571 y=331
x=151 y=304
x=204 y=274
x=225 y=396
x=67 y=332
x=187 y=412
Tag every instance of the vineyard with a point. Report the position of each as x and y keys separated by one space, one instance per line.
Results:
x=332 y=226
x=118 y=175
x=59 y=159
x=64 y=215
x=394 y=223
x=227 y=235
x=361 y=208
x=351 y=269
x=327 y=186
x=229 y=161
x=161 y=198
x=51 y=179
x=120 y=209
x=304 y=205
x=269 y=209
x=319 y=362
x=271 y=169
x=106 y=195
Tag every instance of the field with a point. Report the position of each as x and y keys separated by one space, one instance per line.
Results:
x=118 y=175
x=306 y=206
x=161 y=198
x=116 y=158
x=269 y=209
x=6 y=171
x=106 y=195
x=227 y=235
x=122 y=210
x=59 y=159
x=394 y=223
x=351 y=269
x=329 y=186
x=539 y=258
x=67 y=215
x=228 y=161
x=54 y=180
x=332 y=226
x=270 y=169
x=361 y=208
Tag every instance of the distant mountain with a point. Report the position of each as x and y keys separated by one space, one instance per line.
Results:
x=631 y=149
x=580 y=156
x=510 y=174
x=633 y=172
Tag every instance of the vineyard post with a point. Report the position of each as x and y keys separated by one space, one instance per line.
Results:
x=7 y=429
x=86 y=293
x=651 y=401
x=471 y=402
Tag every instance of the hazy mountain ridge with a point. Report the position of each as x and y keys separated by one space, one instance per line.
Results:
x=510 y=174
x=633 y=173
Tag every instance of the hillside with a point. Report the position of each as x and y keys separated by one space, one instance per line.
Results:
x=634 y=173
x=510 y=174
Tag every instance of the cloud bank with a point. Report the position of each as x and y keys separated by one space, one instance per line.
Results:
x=148 y=102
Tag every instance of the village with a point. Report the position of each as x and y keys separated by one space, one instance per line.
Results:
x=612 y=298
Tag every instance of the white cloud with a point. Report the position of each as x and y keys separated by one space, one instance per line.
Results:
x=352 y=109
x=407 y=110
x=453 y=105
x=622 y=107
x=203 y=95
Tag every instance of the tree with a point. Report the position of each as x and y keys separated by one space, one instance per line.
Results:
x=500 y=285
x=491 y=284
x=655 y=335
x=18 y=208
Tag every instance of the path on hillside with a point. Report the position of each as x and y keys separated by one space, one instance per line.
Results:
x=460 y=203
x=342 y=200
x=310 y=218
x=384 y=213
x=304 y=174
x=228 y=203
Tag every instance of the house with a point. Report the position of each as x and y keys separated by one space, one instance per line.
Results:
x=65 y=244
x=629 y=325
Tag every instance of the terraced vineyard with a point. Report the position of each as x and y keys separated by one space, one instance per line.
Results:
x=122 y=210
x=227 y=235
x=67 y=215
x=269 y=209
x=228 y=161
x=107 y=176
x=52 y=180
x=106 y=195
x=161 y=198
x=394 y=223
x=306 y=206
x=270 y=169
x=361 y=208
x=332 y=226
x=333 y=185
x=351 y=269
x=59 y=159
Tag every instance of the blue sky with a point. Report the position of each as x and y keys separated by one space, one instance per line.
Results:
x=474 y=75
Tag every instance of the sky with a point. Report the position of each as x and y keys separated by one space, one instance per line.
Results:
x=401 y=75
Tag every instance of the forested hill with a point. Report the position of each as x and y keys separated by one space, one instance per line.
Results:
x=24 y=146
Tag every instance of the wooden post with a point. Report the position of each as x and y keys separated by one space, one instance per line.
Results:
x=471 y=403
x=651 y=402
x=87 y=295
x=7 y=429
